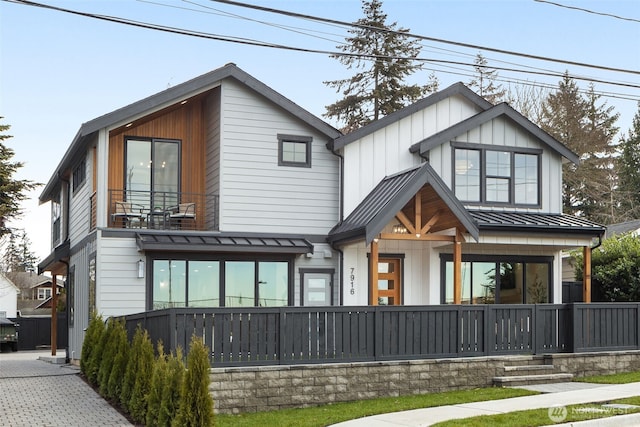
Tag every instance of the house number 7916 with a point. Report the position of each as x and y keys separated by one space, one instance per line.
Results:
x=352 y=279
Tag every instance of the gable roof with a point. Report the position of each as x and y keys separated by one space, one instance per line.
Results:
x=175 y=94
x=623 y=227
x=502 y=109
x=455 y=89
x=389 y=197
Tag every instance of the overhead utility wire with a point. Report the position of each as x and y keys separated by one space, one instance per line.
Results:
x=418 y=36
x=588 y=11
x=175 y=30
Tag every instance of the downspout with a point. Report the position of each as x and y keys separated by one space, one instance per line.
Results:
x=330 y=146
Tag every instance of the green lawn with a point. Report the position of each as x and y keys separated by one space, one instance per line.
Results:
x=539 y=417
x=335 y=413
x=623 y=378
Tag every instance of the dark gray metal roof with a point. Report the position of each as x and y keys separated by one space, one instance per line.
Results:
x=222 y=242
x=455 y=89
x=473 y=122
x=388 y=198
x=622 y=227
x=175 y=94
x=535 y=222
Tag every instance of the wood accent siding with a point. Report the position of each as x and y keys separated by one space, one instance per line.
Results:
x=186 y=123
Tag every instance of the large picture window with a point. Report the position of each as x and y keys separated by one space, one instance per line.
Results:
x=152 y=173
x=499 y=280
x=216 y=283
x=496 y=176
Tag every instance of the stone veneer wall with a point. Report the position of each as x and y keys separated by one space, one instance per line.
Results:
x=266 y=388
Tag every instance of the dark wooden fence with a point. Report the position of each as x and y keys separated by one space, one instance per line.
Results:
x=293 y=335
x=35 y=332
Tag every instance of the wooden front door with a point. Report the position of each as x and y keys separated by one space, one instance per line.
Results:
x=389 y=282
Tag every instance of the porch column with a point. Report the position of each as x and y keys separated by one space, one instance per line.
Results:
x=586 y=275
x=374 y=272
x=54 y=315
x=457 y=270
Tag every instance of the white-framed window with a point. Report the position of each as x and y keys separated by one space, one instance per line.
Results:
x=44 y=293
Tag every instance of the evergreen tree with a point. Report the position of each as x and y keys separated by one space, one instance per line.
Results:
x=196 y=404
x=588 y=130
x=172 y=390
x=91 y=339
x=628 y=166
x=144 y=371
x=116 y=377
x=158 y=381
x=129 y=380
x=384 y=56
x=484 y=82
x=12 y=191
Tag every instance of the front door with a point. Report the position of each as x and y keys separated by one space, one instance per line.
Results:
x=389 y=280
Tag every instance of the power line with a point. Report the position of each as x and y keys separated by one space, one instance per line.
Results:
x=418 y=36
x=246 y=41
x=588 y=11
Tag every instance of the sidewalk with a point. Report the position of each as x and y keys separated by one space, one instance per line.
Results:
x=556 y=394
x=36 y=392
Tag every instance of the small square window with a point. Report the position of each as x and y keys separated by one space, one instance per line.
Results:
x=294 y=150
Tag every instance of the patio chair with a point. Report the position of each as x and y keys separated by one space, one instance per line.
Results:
x=127 y=213
x=181 y=213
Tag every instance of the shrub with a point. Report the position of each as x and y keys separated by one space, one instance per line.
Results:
x=615 y=268
x=91 y=339
x=172 y=389
x=108 y=355
x=140 y=393
x=121 y=347
x=158 y=381
x=95 y=359
x=196 y=404
x=129 y=379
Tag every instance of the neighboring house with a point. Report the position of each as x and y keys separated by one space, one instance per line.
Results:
x=632 y=227
x=35 y=292
x=221 y=192
x=8 y=298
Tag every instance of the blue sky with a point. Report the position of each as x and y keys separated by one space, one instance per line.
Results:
x=59 y=70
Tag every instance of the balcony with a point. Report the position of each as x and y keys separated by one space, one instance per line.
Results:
x=162 y=210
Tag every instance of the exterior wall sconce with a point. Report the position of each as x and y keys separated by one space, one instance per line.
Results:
x=140 y=265
x=399 y=229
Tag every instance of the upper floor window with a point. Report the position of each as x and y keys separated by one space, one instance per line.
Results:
x=79 y=175
x=152 y=175
x=294 y=150
x=496 y=176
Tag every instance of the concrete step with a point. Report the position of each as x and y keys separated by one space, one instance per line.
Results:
x=518 y=380
x=527 y=369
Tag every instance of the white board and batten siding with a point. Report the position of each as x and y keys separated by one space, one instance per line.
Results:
x=257 y=195
x=119 y=291
x=386 y=151
x=501 y=132
x=79 y=266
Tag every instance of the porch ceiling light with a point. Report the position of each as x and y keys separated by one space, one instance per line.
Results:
x=399 y=229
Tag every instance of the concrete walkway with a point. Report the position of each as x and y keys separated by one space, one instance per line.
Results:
x=555 y=395
x=35 y=392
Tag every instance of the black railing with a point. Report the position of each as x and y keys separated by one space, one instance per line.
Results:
x=294 y=335
x=162 y=210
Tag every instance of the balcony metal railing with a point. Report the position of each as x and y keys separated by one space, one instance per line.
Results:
x=162 y=210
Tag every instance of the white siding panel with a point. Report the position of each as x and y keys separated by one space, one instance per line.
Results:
x=80 y=205
x=257 y=195
x=118 y=288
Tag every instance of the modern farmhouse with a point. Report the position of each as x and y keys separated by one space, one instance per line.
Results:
x=221 y=192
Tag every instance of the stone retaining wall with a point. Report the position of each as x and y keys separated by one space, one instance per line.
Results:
x=266 y=388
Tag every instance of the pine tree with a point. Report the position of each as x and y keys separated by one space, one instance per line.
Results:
x=384 y=57
x=484 y=83
x=587 y=129
x=628 y=166
x=12 y=191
